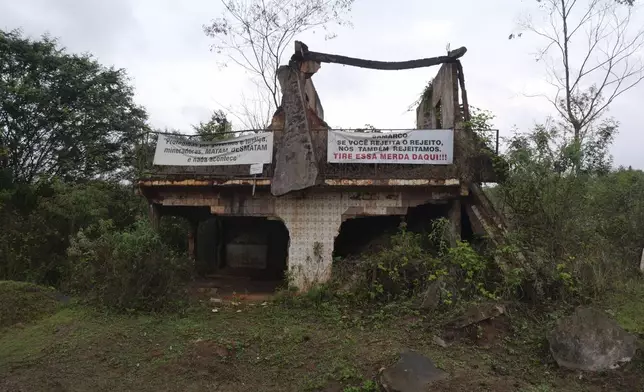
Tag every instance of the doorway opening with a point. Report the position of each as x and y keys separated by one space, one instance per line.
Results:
x=243 y=255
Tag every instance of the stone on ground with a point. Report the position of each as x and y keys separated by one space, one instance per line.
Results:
x=475 y=314
x=590 y=340
x=412 y=373
x=431 y=297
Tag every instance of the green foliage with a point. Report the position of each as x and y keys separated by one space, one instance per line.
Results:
x=174 y=232
x=413 y=262
x=61 y=114
x=126 y=269
x=216 y=129
x=366 y=386
x=37 y=222
x=579 y=223
x=22 y=302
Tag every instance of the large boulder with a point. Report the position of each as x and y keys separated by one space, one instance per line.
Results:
x=590 y=340
x=412 y=373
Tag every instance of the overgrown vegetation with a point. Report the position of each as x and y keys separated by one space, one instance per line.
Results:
x=126 y=270
x=414 y=263
x=581 y=230
x=70 y=145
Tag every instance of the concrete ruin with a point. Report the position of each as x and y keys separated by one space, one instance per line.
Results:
x=287 y=217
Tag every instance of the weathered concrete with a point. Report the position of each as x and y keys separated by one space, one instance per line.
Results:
x=312 y=196
x=313 y=219
x=590 y=340
x=295 y=163
x=412 y=373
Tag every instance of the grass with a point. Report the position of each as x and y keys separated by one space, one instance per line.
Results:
x=293 y=345
x=22 y=302
x=627 y=306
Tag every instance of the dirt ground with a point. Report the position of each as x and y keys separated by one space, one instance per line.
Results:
x=301 y=345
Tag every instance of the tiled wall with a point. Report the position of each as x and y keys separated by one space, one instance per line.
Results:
x=317 y=219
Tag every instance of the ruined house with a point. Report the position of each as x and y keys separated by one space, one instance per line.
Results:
x=287 y=217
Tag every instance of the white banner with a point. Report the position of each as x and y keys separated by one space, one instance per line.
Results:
x=181 y=151
x=417 y=146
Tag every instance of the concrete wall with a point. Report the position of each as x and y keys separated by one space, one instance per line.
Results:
x=313 y=219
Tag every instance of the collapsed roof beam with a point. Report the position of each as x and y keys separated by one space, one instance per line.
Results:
x=302 y=53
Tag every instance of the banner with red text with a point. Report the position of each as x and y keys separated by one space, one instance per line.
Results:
x=417 y=146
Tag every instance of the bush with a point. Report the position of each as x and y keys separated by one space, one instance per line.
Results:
x=174 y=231
x=126 y=269
x=580 y=228
x=413 y=262
x=38 y=221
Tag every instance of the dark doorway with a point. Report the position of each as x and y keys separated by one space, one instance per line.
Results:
x=369 y=234
x=365 y=234
x=243 y=254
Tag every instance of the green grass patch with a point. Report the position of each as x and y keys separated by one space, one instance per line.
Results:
x=22 y=302
x=296 y=345
x=628 y=306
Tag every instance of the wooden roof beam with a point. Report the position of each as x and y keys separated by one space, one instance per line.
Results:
x=302 y=53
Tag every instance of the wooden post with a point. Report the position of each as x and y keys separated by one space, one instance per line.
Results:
x=455 y=221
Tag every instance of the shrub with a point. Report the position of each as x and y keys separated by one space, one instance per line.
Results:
x=174 y=231
x=413 y=262
x=38 y=221
x=581 y=229
x=126 y=269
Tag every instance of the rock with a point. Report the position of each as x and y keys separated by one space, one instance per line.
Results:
x=295 y=163
x=351 y=284
x=590 y=340
x=439 y=342
x=475 y=314
x=412 y=373
x=431 y=297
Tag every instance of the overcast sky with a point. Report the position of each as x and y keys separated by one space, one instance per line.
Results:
x=162 y=46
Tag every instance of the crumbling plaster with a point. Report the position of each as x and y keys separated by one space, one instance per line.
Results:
x=313 y=219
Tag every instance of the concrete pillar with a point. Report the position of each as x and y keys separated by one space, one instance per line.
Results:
x=312 y=223
x=455 y=221
x=155 y=216
x=192 y=240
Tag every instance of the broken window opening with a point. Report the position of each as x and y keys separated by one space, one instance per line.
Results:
x=369 y=234
x=437 y=115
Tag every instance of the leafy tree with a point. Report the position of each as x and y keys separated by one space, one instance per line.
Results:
x=254 y=34
x=217 y=128
x=38 y=221
x=63 y=114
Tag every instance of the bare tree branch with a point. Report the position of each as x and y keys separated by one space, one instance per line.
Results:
x=590 y=73
x=254 y=35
